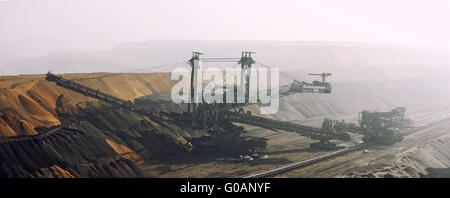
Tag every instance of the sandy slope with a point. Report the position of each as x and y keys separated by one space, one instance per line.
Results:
x=28 y=101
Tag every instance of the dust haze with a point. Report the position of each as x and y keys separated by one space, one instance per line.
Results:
x=395 y=39
x=381 y=54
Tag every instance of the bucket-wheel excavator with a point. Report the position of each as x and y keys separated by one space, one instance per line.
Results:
x=217 y=117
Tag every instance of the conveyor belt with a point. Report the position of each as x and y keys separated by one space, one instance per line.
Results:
x=303 y=130
x=68 y=84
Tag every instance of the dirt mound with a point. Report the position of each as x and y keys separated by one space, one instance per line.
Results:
x=17 y=123
x=5 y=128
x=45 y=95
x=53 y=172
x=37 y=112
x=75 y=153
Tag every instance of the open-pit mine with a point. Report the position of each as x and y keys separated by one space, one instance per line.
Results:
x=127 y=125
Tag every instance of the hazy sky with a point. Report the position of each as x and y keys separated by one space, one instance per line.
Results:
x=36 y=27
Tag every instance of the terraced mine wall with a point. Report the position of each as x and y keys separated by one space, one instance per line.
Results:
x=31 y=106
x=63 y=153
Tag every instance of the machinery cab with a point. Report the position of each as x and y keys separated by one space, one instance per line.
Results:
x=325 y=87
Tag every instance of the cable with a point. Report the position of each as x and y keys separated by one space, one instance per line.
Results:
x=222 y=61
x=158 y=66
x=220 y=58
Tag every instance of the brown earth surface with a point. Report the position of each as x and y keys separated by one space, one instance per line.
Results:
x=49 y=131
